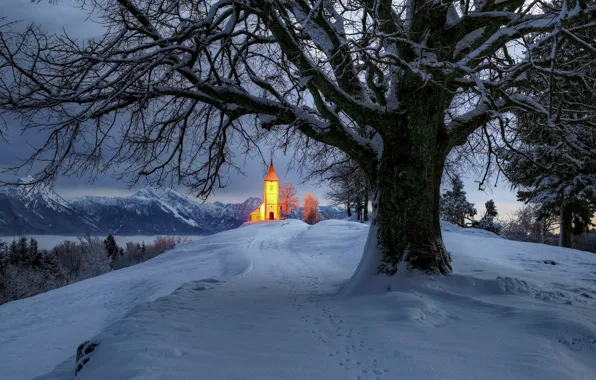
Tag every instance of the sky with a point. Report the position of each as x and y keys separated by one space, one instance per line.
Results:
x=68 y=16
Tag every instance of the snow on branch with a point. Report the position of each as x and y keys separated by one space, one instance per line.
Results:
x=166 y=76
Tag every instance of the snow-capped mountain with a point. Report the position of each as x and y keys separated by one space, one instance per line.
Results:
x=149 y=211
x=328 y=212
x=156 y=211
x=39 y=210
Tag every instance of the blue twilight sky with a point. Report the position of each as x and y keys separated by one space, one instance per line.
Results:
x=68 y=16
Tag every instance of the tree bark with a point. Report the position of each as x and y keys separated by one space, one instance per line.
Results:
x=358 y=208
x=408 y=182
x=566 y=226
x=348 y=209
x=366 y=196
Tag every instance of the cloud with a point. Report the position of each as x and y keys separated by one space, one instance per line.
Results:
x=55 y=17
x=69 y=193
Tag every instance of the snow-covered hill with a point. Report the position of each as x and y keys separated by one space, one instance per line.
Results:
x=262 y=302
x=150 y=211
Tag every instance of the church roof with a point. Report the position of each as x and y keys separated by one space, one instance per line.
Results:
x=271 y=176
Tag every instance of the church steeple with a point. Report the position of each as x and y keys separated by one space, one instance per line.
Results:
x=271 y=176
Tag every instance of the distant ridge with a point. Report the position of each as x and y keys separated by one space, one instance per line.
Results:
x=150 y=211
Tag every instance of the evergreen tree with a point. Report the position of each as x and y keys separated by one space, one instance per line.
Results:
x=487 y=222
x=53 y=272
x=553 y=163
x=111 y=247
x=143 y=248
x=34 y=255
x=18 y=251
x=454 y=207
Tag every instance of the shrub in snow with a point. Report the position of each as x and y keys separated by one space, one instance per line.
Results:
x=454 y=207
x=26 y=271
x=530 y=224
x=94 y=260
x=135 y=253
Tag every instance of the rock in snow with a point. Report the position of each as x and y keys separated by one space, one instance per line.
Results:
x=84 y=352
x=262 y=302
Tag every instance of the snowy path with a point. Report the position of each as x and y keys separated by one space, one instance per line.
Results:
x=263 y=305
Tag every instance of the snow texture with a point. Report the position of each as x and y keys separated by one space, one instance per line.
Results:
x=263 y=302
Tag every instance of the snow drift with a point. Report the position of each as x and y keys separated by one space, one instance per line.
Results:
x=263 y=301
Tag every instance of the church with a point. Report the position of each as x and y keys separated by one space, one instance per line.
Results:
x=270 y=208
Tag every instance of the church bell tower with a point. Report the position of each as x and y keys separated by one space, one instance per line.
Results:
x=270 y=208
x=271 y=195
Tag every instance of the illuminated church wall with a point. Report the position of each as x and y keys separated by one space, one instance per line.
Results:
x=271 y=200
x=270 y=208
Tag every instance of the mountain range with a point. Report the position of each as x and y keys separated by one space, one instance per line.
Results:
x=150 y=211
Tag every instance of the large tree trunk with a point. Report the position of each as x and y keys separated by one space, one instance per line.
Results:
x=408 y=213
x=405 y=227
x=566 y=227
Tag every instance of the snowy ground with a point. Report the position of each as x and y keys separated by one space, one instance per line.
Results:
x=261 y=302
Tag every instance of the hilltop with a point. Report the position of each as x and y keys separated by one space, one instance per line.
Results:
x=265 y=301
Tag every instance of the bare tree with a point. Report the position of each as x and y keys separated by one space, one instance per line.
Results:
x=171 y=86
x=288 y=199
x=531 y=224
x=310 y=211
x=348 y=186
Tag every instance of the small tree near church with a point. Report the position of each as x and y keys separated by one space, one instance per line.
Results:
x=288 y=199
x=310 y=213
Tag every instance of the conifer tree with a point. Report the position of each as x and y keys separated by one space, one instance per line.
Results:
x=553 y=163
x=454 y=206
x=111 y=247
x=487 y=222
